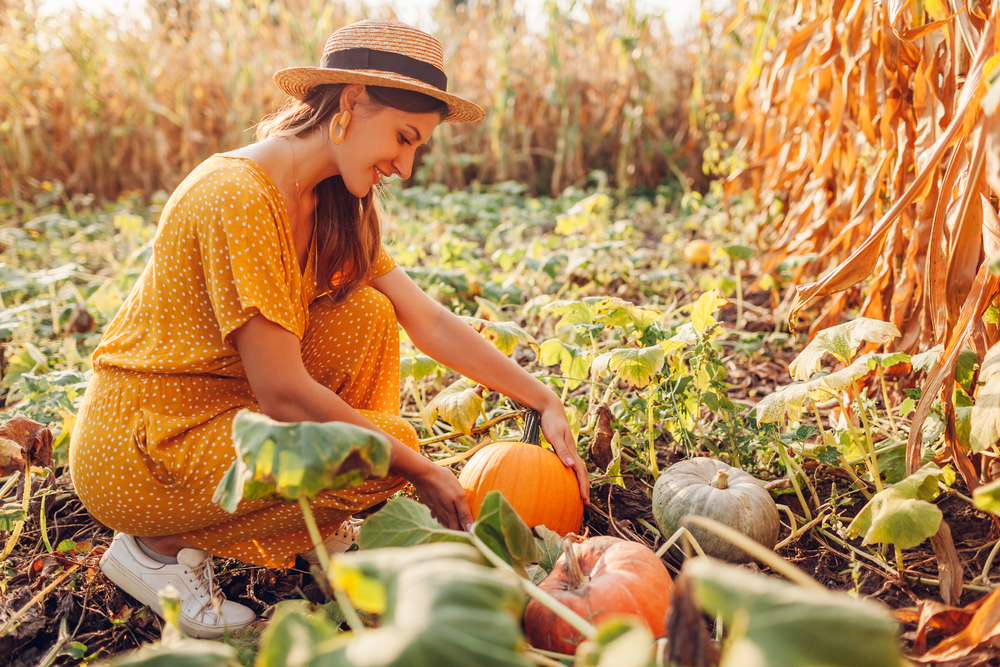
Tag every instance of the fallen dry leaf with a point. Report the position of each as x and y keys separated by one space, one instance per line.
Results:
x=600 y=447
x=981 y=630
x=34 y=440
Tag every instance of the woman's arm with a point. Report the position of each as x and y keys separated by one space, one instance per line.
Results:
x=286 y=392
x=441 y=335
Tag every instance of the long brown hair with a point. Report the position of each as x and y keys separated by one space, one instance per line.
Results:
x=348 y=228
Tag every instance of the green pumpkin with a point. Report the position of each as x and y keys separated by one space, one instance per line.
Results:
x=713 y=489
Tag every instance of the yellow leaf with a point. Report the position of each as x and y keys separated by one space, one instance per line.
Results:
x=701 y=311
x=366 y=593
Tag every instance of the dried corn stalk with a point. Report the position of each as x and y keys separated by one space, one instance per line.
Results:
x=876 y=124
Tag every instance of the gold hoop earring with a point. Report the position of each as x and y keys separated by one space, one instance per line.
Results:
x=341 y=119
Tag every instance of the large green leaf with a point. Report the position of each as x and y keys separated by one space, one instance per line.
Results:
x=573 y=361
x=621 y=642
x=841 y=341
x=298 y=459
x=504 y=335
x=294 y=635
x=443 y=607
x=183 y=653
x=504 y=532
x=987 y=497
x=418 y=366
x=550 y=547
x=404 y=522
x=636 y=367
x=783 y=401
x=458 y=404
x=776 y=623
x=985 y=429
x=902 y=514
x=626 y=315
x=584 y=311
x=10 y=514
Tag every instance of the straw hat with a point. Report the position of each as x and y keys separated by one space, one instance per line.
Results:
x=382 y=53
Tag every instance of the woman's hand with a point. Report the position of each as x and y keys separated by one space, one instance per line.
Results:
x=438 y=487
x=560 y=436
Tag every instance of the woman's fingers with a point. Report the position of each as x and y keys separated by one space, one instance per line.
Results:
x=565 y=448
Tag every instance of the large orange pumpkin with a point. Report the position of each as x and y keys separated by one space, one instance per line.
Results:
x=599 y=578
x=534 y=481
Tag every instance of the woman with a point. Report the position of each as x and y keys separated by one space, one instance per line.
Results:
x=268 y=289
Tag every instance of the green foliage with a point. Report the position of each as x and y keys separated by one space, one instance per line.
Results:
x=902 y=514
x=292 y=460
x=841 y=342
x=504 y=532
x=403 y=522
x=777 y=623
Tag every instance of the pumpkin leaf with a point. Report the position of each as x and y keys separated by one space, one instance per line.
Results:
x=987 y=497
x=902 y=514
x=295 y=628
x=504 y=532
x=550 y=547
x=736 y=251
x=404 y=522
x=636 y=367
x=985 y=430
x=830 y=385
x=583 y=311
x=458 y=404
x=787 y=400
x=842 y=342
x=442 y=607
x=886 y=359
x=777 y=623
x=626 y=315
x=182 y=653
x=298 y=459
x=10 y=514
x=926 y=360
x=620 y=642
x=366 y=593
x=504 y=335
x=702 y=309
x=573 y=360
x=418 y=366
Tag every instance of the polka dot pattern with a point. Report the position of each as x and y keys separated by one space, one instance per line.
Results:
x=153 y=436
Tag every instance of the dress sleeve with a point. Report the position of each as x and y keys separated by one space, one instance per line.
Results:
x=384 y=264
x=248 y=257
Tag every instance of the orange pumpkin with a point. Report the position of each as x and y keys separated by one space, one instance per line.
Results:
x=599 y=578
x=542 y=490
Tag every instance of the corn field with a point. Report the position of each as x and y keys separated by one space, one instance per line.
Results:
x=106 y=104
x=873 y=125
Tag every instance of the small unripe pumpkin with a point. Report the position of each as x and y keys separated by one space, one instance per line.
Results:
x=599 y=578
x=698 y=251
x=542 y=490
x=705 y=487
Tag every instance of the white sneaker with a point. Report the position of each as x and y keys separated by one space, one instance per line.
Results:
x=338 y=542
x=205 y=611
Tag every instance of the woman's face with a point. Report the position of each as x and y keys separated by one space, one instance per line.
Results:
x=381 y=141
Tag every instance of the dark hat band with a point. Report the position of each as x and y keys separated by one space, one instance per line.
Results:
x=386 y=61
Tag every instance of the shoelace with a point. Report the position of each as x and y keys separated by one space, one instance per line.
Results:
x=204 y=575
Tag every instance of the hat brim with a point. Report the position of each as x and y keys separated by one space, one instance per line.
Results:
x=298 y=81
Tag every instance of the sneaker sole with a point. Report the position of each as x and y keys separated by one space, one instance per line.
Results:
x=138 y=589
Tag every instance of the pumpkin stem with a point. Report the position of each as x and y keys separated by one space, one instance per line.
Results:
x=531 y=429
x=574 y=575
x=721 y=480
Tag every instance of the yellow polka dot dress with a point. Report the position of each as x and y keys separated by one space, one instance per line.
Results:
x=153 y=436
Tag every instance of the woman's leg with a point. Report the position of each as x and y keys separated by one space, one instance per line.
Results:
x=352 y=348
